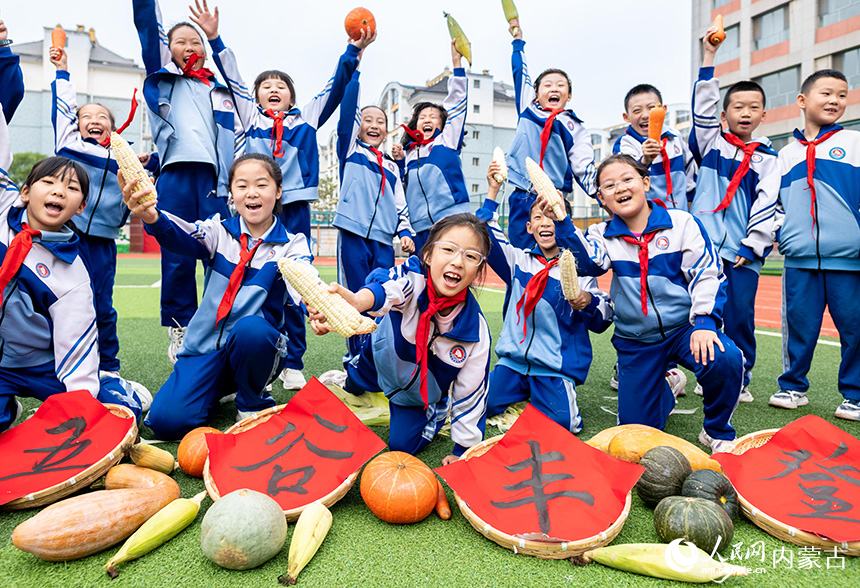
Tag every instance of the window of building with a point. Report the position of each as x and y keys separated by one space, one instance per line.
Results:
x=683 y=116
x=596 y=139
x=475 y=188
x=476 y=108
x=718 y=3
x=771 y=28
x=598 y=154
x=832 y=11
x=476 y=83
x=476 y=134
x=476 y=161
x=848 y=62
x=781 y=87
x=731 y=47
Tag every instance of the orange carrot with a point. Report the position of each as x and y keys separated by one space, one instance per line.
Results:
x=655 y=122
x=443 y=509
x=58 y=37
x=720 y=35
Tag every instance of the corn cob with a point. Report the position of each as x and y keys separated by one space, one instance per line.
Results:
x=569 y=278
x=311 y=529
x=154 y=458
x=158 y=530
x=543 y=186
x=340 y=316
x=510 y=12
x=690 y=564
x=461 y=42
x=499 y=157
x=130 y=166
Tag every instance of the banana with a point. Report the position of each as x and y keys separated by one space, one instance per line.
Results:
x=310 y=530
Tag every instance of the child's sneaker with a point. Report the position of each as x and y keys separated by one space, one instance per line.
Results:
x=333 y=378
x=677 y=382
x=244 y=414
x=19 y=410
x=176 y=334
x=715 y=445
x=699 y=391
x=613 y=381
x=788 y=399
x=746 y=396
x=143 y=393
x=848 y=410
x=293 y=379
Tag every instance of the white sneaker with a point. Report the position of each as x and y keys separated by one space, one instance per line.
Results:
x=613 y=381
x=788 y=399
x=177 y=335
x=677 y=382
x=698 y=390
x=243 y=414
x=293 y=379
x=333 y=378
x=19 y=410
x=848 y=410
x=746 y=396
x=715 y=445
x=229 y=398
x=143 y=393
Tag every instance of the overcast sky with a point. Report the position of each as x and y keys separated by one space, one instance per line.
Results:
x=605 y=46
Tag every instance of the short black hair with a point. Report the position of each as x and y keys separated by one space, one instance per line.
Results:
x=744 y=86
x=416 y=112
x=621 y=158
x=461 y=219
x=178 y=26
x=379 y=108
x=110 y=114
x=806 y=87
x=271 y=166
x=59 y=167
x=275 y=74
x=553 y=70
x=567 y=208
x=641 y=89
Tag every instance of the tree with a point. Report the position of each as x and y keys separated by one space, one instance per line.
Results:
x=22 y=163
x=328 y=195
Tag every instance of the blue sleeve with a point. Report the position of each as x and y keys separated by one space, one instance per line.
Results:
x=496 y=259
x=345 y=66
x=11 y=82
x=147 y=25
x=153 y=164
x=346 y=122
x=174 y=239
x=518 y=66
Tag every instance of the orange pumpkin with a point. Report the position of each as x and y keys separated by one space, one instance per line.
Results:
x=192 y=452
x=399 y=488
x=357 y=19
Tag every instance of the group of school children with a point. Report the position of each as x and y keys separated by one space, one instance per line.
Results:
x=691 y=221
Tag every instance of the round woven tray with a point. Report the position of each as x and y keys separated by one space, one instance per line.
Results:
x=541 y=549
x=774 y=527
x=86 y=477
x=251 y=422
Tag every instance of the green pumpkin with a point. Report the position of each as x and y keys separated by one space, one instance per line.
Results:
x=242 y=530
x=666 y=468
x=697 y=520
x=715 y=487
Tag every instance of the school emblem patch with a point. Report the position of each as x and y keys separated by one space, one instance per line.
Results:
x=837 y=153
x=42 y=270
x=271 y=254
x=757 y=158
x=570 y=125
x=457 y=354
x=662 y=243
x=228 y=105
x=677 y=150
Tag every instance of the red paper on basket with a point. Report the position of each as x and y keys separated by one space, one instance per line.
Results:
x=69 y=433
x=300 y=455
x=806 y=476
x=541 y=482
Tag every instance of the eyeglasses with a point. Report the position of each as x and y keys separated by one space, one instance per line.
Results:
x=610 y=188
x=449 y=251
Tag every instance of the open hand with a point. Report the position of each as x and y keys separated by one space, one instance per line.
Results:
x=702 y=344
x=207 y=21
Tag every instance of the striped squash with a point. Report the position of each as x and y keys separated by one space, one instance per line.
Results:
x=697 y=520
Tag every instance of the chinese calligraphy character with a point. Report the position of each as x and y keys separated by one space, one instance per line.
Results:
x=52 y=461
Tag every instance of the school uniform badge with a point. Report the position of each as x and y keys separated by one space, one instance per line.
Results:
x=228 y=104
x=42 y=270
x=662 y=243
x=837 y=153
x=457 y=354
x=757 y=158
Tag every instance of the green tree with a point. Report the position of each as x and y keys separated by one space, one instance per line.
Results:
x=328 y=195
x=22 y=163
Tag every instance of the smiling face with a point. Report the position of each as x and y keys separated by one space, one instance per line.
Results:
x=622 y=191
x=52 y=200
x=452 y=271
x=274 y=93
x=542 y=228
x=429 y=121
x=825 y=102
x=254 y=193
x=373 y=129
x=184 y=42
x=94 y=122
x=553 y=91
x=639 y=110
x=744 y=114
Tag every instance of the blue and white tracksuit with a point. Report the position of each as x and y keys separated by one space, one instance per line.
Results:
x=48 y=333
x=458 y=363
x=247 y=348
x=681 y=166
x=685 y=292
x=197 y=134
x=435 y=187
x=822 y=262
x=569 y=154
x=545 y=364
x=11 y=82
x=744 y=227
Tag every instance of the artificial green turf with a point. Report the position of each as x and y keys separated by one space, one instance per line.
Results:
x=361 y=550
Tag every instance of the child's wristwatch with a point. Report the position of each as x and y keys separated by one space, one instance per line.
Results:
x=4 y=42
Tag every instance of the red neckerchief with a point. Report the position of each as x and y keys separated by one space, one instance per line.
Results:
x=106 y=142
x=15 y=255
x=201 y=74
x=534 y=290
x=235 y=282
x=435 y=304
x=810 y=166
x=378 y=155
x=643 y=265
x=547 y=131
x=417 y=137
x=742 y=170
x=277 y=132
x=667 y=171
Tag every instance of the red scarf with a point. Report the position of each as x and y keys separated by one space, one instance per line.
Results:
x=201 y=74
x=15 y=255
x=417 y=137
x=106 y=142
x=643 y=265
x=435 y=304
x=810 y=166
x=742 y=170
x=533 y=292
x=235 y=282
x=277 y=132
x=547 y=131
x=378 y=155
x=667 y=171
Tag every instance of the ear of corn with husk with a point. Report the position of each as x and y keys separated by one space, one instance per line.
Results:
x=461 y=42
x=311 y=528
x=154 y=458
x=544 y=186
x=499 y=157
x=569 y=278
x=340 y=316
x=130 y=166
x=159 y=529
x=510 y=12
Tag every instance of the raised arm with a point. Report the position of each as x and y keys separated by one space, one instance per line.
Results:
x=153 y=37
x=11 y=78
x=523 y=88
x=323 y=105
x=349 y=121
x=64 y=109
x=706 y=104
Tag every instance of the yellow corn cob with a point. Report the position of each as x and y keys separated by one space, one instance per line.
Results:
x=544 y=186
x=130 y=166
x=154 y=458
x=461 y=42
x=510 y=12
x=499 y=157
x=311 y=529
x=691 y=564
x=569 y=278
x=159 y=529
x=340 y=316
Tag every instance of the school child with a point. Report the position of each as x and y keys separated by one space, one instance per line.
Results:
x=372 y=205
x=735 y=197
x=669 y=160
x=544 y=349
x=274 y=126
x=236 y=341
x=431 y=351
x=818 y=230
x=429 y=156
x=83 y=135
x=549 y=133
x=193 y=127
x=669 y=292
